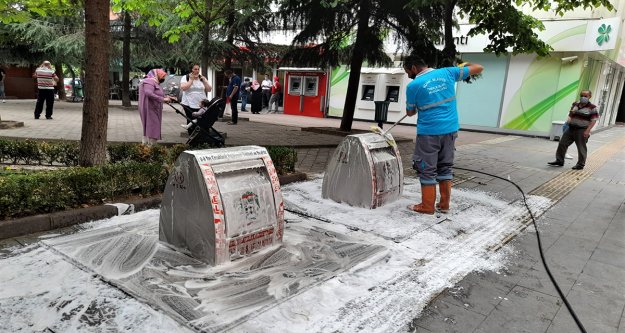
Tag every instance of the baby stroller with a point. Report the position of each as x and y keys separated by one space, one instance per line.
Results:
x=203 y=132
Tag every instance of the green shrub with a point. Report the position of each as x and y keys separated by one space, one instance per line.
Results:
x=284 y=159
x=48 y=191
x=50 y=152
x=122 y=152
x=69 y=154
x=8 y=151
x=134 y=169
x=27 y=151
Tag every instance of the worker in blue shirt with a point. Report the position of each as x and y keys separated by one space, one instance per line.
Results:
x=432 y=95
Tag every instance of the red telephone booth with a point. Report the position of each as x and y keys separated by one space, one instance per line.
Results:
x=305 y=92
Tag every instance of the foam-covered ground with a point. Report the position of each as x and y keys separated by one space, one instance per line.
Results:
x=364 y=270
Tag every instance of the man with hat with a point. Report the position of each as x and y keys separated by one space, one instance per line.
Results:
x=46 y=80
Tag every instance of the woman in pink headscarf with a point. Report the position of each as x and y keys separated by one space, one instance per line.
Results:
x=151 y=99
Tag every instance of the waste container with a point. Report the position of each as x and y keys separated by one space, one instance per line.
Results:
x=556 y=130
x=381 y=112
x=222 y=204
x=365 y=171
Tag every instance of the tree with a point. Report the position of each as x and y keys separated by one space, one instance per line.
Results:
x=95 y=108
x=59 y=39
x=352 y=32
x=506 y=25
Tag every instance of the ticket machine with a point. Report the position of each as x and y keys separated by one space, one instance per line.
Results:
x=306 y=92
x=222 y=204
x=392 y=85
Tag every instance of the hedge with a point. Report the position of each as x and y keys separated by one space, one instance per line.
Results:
x=133 y=169
x=47 y=191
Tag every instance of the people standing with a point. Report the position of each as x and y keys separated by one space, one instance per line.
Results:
x=276 y=95
x=194 y=87
x=151 y=99
x=46 y=81
x=232 y=92
x=256 y=93
x=432 y=94
x=3 y=74
x=245 y=93
x=582 y=118
x=266 y=86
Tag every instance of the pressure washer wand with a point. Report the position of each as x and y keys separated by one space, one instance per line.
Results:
x=395 y=124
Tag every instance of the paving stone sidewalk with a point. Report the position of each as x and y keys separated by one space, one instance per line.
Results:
x=583 y=233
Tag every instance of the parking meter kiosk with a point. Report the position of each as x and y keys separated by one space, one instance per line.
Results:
x=222 y=204
x=306 y=91
x=365 y=171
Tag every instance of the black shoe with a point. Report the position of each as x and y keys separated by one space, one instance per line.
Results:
x=578 y=167
x=49 y=118
x=36 y=117
x=556 y=163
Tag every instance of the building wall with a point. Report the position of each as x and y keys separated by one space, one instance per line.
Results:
x=479 y=102
x=19 y=82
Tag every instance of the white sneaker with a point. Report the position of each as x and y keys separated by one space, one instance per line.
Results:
x=186 y=126
x=568 y=156
x=3 y=101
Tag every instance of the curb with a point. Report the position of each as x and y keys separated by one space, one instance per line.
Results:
x=45 y=222
x=7 y=124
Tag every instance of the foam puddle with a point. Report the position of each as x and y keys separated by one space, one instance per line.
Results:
x=326 y=277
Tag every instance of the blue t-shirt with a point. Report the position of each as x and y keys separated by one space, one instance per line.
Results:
x=235 y=81
x=433 y=94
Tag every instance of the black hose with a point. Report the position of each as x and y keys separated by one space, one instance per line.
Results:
x=540 y=248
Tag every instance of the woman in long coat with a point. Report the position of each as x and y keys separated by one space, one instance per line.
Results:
x=151 y=99
x=257 y=98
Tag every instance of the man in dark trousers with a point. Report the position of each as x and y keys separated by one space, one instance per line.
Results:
x=232 y=92
x=46 y=80
x=432 y=93
x=582 y=118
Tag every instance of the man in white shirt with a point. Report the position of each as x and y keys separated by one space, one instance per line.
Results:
x=194 y=88
x=46 y=80
x=266 y=86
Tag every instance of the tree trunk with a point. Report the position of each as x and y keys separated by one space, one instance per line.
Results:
x=230 y=38
x=126 y=60
x=206 y=31
x=449 y=52
x=95 y=108
x=355 y=66
x=60 y=86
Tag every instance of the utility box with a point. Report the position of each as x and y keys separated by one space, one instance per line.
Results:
x=365 y=171
x=222 y=204
x=557 y=128
x=381 y=112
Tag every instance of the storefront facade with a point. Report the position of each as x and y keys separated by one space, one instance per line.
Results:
x=520 y=94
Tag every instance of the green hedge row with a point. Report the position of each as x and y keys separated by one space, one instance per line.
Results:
x=66 y=153
x=48 y=191
x=134 y=169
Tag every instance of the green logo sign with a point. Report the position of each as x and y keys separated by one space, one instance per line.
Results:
x=604 y=34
